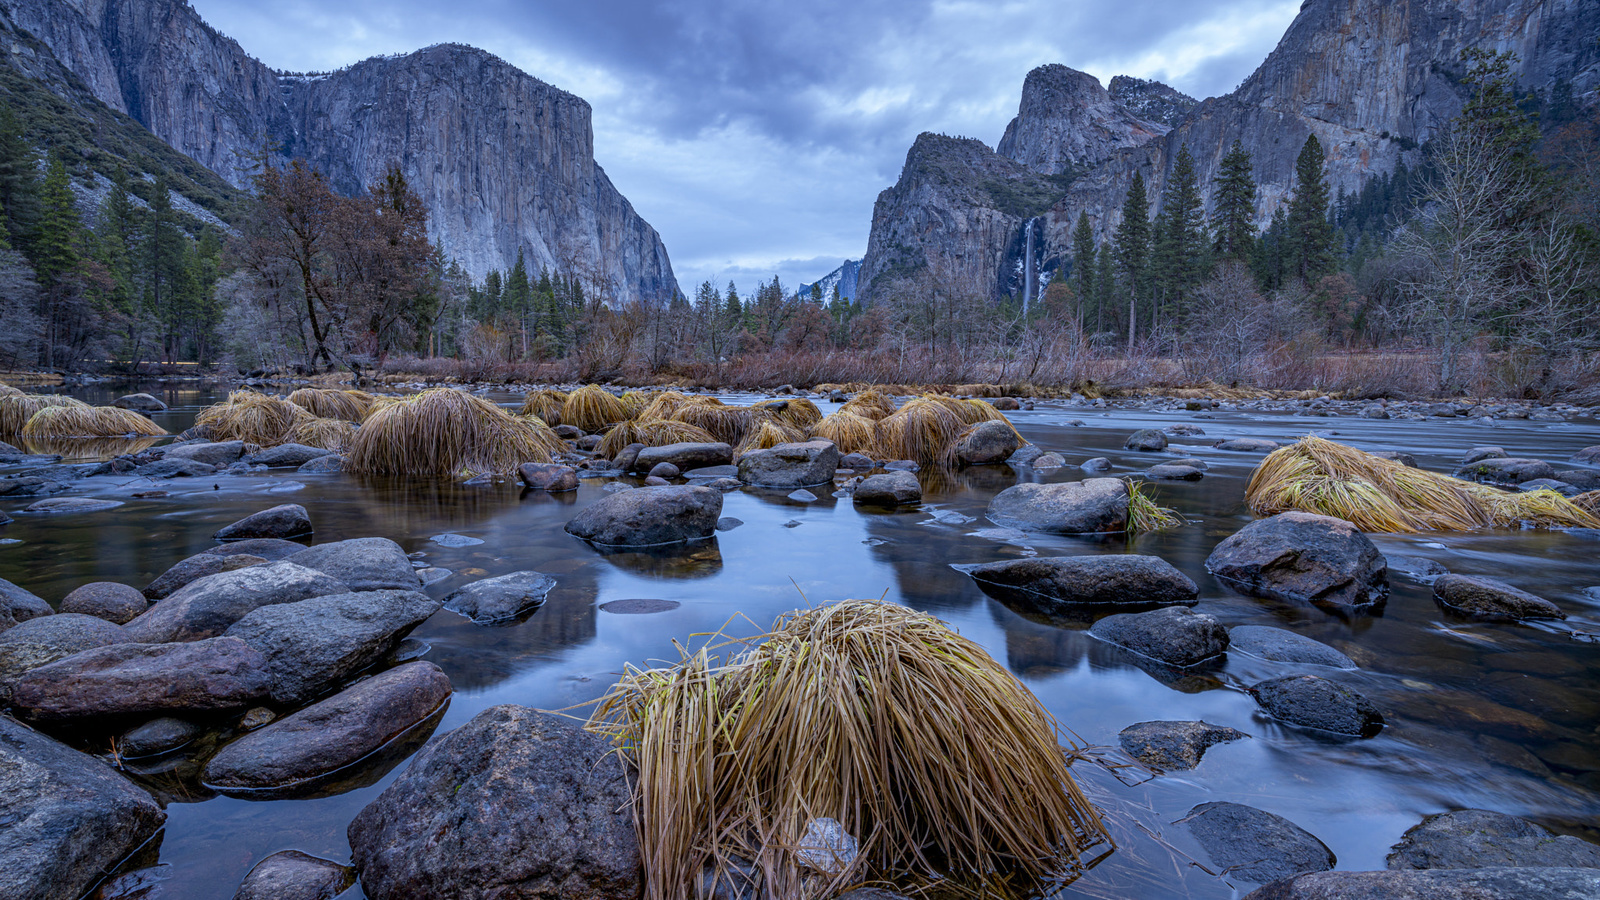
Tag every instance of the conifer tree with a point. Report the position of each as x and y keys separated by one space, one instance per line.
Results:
x=1235 y=215
x=1083 y=260
x=1310 y=230
x=19 y=181
x=1105 y=286
x=1133 y=250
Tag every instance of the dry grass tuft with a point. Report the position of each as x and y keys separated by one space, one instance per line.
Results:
x=1144 y=514
x=1380 y=495
x=327 y=434
x=929 y=752
x=665 y=403
x=7 y=390
x=443 y=433
x=1589 y=502
x=768 y=433
x=17 y=409
x=656 y=433
x=253 y=418
x=350 y=405
x=729 y=424
x=849 y=432
x=592 y=408
x=922 y=431
x=90 y=448
x=89 y=422
x=635 y=402
x=546 y=404
x=795 y=412
x=978 y=390
x=869 y=404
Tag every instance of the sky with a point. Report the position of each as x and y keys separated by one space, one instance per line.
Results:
x=755 y=135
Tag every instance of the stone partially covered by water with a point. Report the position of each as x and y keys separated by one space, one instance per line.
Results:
x=1174 y=745
x=1491 y=600
x=1280 y=645
x=455 y=540
x=1305 y=558
x=1091 y=506
x=1314 y=702
x=649 y=516
x=292 y=875
x=1177 y=636
x=287 y=521
x=502 y=598
x=207 y=606
x=1256 y=845
x=1478 y=838
x=1437 y=884
x=364 y=564
x=1060 y=585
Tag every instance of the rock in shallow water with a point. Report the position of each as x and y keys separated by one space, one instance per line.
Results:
x=986 y=443
x=364 y=564
x=1058 y=585
x=157 y=736
x=1437 y=884
x=790 y=465
x=287 y=456
x=649 y=516
x=1177 y=635
x=292 y=875
x=1305 y=558
x=502 y=598
x=1313 y=702
x=1147 y=440
x=515 y=803
x=197 y=567
x=207 y=606
x=63 y=505
x=144 y=679
x=1174 y=745
x=289 y=520
x=1256 y=845
x=1491 y=600
x=108 y=600
x=1091 y=506
x=887 y=489
x=1281 y=645
x=1478 y=838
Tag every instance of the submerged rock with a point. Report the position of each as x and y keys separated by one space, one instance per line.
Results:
x=287 y=521
x=1059 y=585
x=887 y=489
x=1305 y=558
x=1501 y=883
x=1177 y=635
x=157 y=736
x=64 y=505
x=649 y=516
x=1247 y=445
x=364 y=564
x=790 y=465
x=1256 y=845
x=207 y=606
x=1478 y=838
x=1313 y=702
x=1091 y=506
x=515 y=803
x=502 y=598
x=1174 y=745
x=1491 y=600
x=68 y=818
x=292 y=875
x=1281 y=645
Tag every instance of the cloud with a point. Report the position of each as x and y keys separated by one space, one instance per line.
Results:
x=754 y=134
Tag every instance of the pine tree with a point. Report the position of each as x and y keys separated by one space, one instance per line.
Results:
x=736 y=317
x=19 y=180
x=56 y=246
x=1083 y=262
x=1105 y=286
x=518 y=299
x=1235 y=216
x=1133 y=250
x=1310 y=237
x=164 y=259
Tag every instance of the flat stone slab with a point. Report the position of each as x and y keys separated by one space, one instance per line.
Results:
x=1256 y=845
x=1281 y=645
x=638 y=606
x=455 y=540
x=499 y=599
x=63 y=505
x=1478 y=838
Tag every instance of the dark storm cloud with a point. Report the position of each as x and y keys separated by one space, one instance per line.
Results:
x=755 y=135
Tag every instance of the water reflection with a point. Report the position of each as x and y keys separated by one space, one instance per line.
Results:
x=88 y=449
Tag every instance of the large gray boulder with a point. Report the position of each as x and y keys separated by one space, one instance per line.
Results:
x=143 y=680
x=207 y=607
x=144 y=403
x=1282 y=645
x=1437 y=884
x=1059 y=585
x=1491 y=600
x=1588 y=456
x=650 y=515
x=1304 y=558
x=44 y=640
x=1478 y=838
x=1255 y=845
x=109 y=600
x=513 y=804
x=290 y=520
x=220 y=453
x=790 y=465
x=332 y=734
x=887 y=489
x=1506 y=470
x=292 y=875
x=1174 y=745
x=1091 y=506
x=1146 y=440
x=986 y=443
x=21 y=605
x=269 y=549
x=313 y=645
x=68 y=818
x=1176 y=635
x=1313 y=702
x=188 y=571
x=365 y=564
x=685 y=456
x=500 y=599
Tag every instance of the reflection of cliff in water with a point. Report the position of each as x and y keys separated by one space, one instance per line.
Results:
x=479 y=656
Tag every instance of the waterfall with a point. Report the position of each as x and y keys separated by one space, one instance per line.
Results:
x=1027 y=267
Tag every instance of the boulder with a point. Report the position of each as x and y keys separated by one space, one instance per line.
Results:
x=1059 y=585
x=1584 y=480
x=1185 y=430
x=333 y=462
x=1478 y=454
x=649 y=516
x=1169 y=746
x=1005 y=403
x=1022 y=456
x=1247 y=445
x=20 y=604
x=986 y=443
x=331 y=734
x=287 y=456
x=1098 y=464
x=556 y=479
x=513 y=804
x=269 y=549
x=365 y=564
x=292 y=875
x=157 y=736
x=219 y=454
x=1588 y=456
x=175 y=468
x=1506 y=470
x=791 y=465
x=1255 y=845
x=1146 y=440
x=1281 y=645
x=1478 y=838
x=888 y=489
x=139 y=403
x=207 y=606
x=108 y=600
x=685 y=456
x=665 y=470
x=199 y=566
x=312 y=645
x=144 y=680
x=1313 y=702
x=1176 y=635
x=44 y=640
x=69 y=818
x=1175 y=471
x=1304 y=558
x=29 y=486
x=64 y=505
x=629 y=455
x=1091 y=506
x=500 y=599
x=1437 y=884
x=1491 y=600
x=287 y=521
x=1050 y=461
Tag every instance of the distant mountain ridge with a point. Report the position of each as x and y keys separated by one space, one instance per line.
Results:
x=504 y=161
x=845 y=278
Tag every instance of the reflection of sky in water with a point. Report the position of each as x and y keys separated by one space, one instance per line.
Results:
x=1491 y=716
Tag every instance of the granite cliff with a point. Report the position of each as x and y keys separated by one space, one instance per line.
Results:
x=1373 y=79
x=503 y=160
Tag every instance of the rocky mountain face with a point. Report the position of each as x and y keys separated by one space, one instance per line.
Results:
x=504 y=161
x=1150 y=100
x=845 y=278
x=1068 y=121
x=1373 y=79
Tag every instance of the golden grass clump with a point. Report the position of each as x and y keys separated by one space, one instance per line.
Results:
x=796 y=412
x=769 y=433
x=978 y=390
x=17 y=409
x=656 y=433
x=253 y=418
x=326 y=434
x=665 y=403
x=444 y=432
x=592 y=408
x=89 y=422
x=869 y=404
x=635 y=402
x=87 y=448
x=7 y=390
x=1588 y=502
x=729 y=424
x=926 y=750
x=922 y=431
x=1144 y=514
x=1380 y=495
x=326 y=403
x=849 y=432
x=546 y=404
